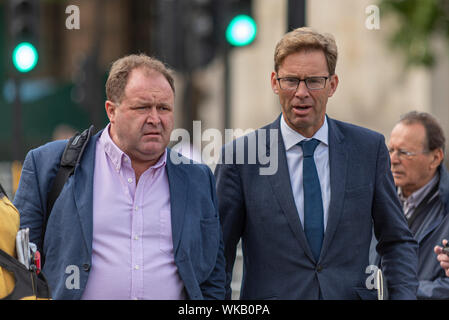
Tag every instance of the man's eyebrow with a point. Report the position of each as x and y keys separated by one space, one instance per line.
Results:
x=146 y=103
x=140 y=102
x=164 y=104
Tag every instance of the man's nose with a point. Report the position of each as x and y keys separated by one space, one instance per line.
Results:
x=153 y=116
x=302 y=91
x=394 y=158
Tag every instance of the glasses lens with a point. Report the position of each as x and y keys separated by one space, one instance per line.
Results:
x=315 y=83
x=289 y=83
x=402 y=154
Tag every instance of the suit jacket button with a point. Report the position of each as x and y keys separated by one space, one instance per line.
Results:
x=86 y=267
x=319 y=268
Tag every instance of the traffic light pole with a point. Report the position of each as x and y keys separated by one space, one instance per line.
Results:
x=296 y=16
x=227 y=88
x=17 y=138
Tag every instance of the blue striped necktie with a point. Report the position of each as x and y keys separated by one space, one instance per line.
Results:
x=313 y=203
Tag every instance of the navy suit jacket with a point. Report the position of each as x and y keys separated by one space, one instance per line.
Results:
x=278 y=263
x=197 y=238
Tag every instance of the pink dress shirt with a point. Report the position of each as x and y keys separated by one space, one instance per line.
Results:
x=132 y=247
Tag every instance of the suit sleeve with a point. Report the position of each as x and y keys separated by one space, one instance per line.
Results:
x=396 y=245
x=232 y=214
x=436 y=289
x=28 y=200
x=214 y=286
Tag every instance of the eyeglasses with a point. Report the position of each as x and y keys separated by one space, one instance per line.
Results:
x=404 y=154
x=312 y=83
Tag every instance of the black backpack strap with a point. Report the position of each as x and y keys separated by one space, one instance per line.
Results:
x=2 y=192
x=70 y=158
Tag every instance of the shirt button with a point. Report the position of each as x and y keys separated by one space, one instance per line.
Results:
x=137 y=208
x=130 y=180
x=136 y=237
x=136 y=267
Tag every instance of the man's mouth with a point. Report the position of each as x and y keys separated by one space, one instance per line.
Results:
x=152 y=134
x=300 y=109
x=397 y=173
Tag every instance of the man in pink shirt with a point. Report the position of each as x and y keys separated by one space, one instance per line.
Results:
x=130 y=223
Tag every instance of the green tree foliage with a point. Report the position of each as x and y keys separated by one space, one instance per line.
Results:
x=419 y=21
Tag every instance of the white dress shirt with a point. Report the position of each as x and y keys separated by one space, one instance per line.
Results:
x=295 y=160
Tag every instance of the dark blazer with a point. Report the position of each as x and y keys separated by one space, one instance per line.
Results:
x=278 y=263
x=433 y=282
x=197 y=238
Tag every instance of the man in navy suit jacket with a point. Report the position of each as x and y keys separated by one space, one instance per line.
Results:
x=136 y=220
x=289 y=253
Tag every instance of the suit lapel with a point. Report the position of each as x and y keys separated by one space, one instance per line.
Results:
x=433 y=225
x=433 y=218
x=83 y=190
x=178 y=183
x=338 y=159
x=281 y=185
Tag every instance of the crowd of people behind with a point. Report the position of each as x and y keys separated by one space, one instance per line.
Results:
x=137 y=225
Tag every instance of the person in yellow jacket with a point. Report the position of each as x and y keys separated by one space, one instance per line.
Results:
x=9 y=225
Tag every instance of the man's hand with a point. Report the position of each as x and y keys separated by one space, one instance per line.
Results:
x=443 y=257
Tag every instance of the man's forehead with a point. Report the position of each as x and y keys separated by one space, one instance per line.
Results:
x=153 y=81
x=311 y=61
x=144 y=73
x=413 y=133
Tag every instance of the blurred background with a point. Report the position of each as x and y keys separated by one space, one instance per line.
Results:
x=55 y=56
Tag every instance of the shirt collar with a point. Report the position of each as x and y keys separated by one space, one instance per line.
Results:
x=416 y=197
x=292 y=138
x=117 y=156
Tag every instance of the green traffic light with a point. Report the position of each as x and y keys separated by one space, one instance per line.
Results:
x=24 y=57
x=241 y=30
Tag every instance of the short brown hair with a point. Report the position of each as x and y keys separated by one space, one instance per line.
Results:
x=121 y=69
x=434 y=133
x=306 y=39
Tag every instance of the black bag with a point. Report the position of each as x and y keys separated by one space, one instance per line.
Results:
x=28 y=284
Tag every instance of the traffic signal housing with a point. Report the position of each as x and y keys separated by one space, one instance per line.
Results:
x=186 y=34
x=23 y=31
x=202 y=36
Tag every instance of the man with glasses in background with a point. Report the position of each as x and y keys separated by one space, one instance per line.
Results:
x=306 y=229
x=416 y=150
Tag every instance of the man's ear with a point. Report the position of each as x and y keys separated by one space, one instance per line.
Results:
x=110 y=110
x=274 y=83
x=333 y=82
x=438 y=157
